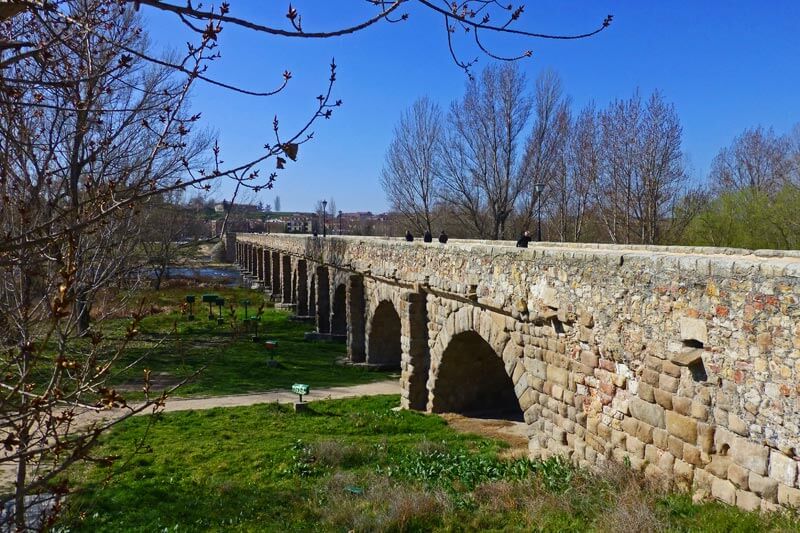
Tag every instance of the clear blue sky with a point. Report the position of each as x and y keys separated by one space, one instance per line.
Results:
x=725 y=64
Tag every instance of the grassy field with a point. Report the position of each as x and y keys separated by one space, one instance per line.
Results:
x=359 y=465
x=173 y=348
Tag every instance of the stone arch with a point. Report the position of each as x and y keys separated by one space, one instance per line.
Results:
x=472 y=379
x=491 y=328
x=385 y=347
x=339 y=311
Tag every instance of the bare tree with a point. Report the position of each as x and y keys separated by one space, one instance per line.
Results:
x=584 y=161
x=89 y=133
x=661 y=167
x=620 y=125
x=482 y=164
x=413 y=164
x=545 y=153
x=643 y=171
x=757 y=159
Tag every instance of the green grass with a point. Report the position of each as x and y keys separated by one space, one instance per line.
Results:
x=234 y=363
x=359 y=465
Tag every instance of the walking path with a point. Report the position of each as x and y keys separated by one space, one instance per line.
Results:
x=283 y=396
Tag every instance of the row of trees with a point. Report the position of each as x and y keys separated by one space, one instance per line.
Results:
x=614 y=174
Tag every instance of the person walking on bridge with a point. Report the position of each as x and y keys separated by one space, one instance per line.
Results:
x=524 y=239
x=427 y=237
x=443 y=237
x=409 y=236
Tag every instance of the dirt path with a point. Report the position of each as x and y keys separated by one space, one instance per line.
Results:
x=512 y=432
x=283 y=396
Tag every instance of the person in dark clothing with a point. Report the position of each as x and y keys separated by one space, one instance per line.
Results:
x=443 y=237
x=427 y=237
x=409 y=236
x=523 y=241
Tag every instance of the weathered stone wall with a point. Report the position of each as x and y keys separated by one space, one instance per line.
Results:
x=683 y=361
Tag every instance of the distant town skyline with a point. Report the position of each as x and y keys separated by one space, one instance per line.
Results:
x=726 y=66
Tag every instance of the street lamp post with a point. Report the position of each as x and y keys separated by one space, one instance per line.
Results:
x=340 y=222
x=539 y=188
x=324 y=208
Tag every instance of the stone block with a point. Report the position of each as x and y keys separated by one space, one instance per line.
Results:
x=747 y=501
x=691 y=454
x=558 y=375
x=693 y=329
x=699 y=411
x=782 y=468
x=512 y=351
x=719 y=466
x=737 y=425
x=769 y=507
x=675 y=446
x=686 y=356
x=537 y=367
x=526 y=400
x=660 y=437
x=682 y=427
x=646 y=392
x=585 y=335
x=618 y=438
x=650 y=377
x=763 y=486
x=724 y=490
x=671 y=369
x=652 y=454
x=684 y=474
x=589 y=359
x=666 y=461
x=705 y=437
x=629 y=425
x=788 y=496
x=668 y=383
x=739 y=476
x=682 y=405
x=702 y=480
x=644 y=432
x=518 y=372
x=647 y=412
x=663 y=398
x=750 y=455
x=653 y=363
x=635 y=447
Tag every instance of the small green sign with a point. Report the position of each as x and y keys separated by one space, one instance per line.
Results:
x=300 y=388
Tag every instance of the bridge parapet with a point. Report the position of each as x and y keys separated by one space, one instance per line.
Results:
x=685 y=361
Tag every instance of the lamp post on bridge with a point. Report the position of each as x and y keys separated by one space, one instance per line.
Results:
x=324 y=208
x=340 y=222
x=539 y=188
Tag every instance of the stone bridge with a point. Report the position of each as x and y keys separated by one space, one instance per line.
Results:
x=682 y=362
